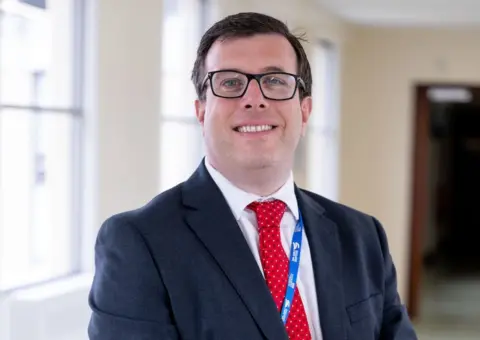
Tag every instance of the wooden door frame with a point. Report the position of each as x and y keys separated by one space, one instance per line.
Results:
x=419 y=196
x=419 y=206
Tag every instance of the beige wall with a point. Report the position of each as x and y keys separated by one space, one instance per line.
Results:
x=127 y=103
x=381 y=67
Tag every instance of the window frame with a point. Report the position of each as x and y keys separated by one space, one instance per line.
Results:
x=186 y=120
x=324 y=123
x=76 y=111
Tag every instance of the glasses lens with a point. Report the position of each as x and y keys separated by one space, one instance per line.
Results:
x=278 y=85
x=229 y=84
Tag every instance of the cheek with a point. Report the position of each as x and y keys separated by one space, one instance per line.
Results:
x=218 y=112
x=293 y=117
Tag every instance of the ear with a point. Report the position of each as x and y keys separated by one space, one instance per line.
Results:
x=306 y=108
x=200 y=111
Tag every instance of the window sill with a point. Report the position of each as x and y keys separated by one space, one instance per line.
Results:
x=53 y=289
x=41 y=306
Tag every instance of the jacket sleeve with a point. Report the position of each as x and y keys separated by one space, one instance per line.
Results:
x=128 y=298
x=396 y=324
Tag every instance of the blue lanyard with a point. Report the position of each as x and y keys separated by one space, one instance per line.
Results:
x=293 y=269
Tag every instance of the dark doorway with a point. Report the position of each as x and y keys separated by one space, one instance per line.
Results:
x=455 y=199
x=446 y=188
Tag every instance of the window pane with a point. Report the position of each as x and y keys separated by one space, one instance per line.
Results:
x=36 y=191
x=178 y=96
x=181 y=152
x=322 y=135
x=324 y=91
x=322 y=160
x=36 y=59
x=181 y=34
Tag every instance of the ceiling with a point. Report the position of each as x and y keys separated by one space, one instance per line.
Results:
x=408 y=12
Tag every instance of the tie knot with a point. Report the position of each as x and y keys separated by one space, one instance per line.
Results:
x=269 y=213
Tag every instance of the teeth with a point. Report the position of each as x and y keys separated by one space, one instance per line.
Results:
x=255 y=128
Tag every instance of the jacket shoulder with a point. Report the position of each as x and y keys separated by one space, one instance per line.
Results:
x=338 y=211
x=353 y=225
x=166 y=206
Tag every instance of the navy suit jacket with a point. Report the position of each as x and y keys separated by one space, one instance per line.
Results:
x=180 y=268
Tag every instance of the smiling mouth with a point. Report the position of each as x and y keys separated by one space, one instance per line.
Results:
x=254 y=128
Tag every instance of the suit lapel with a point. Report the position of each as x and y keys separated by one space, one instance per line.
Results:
x=327 y=265
x=210 y=218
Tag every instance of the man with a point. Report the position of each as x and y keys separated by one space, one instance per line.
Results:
x=238 y=251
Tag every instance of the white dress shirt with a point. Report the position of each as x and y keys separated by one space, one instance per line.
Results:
x=238 y=200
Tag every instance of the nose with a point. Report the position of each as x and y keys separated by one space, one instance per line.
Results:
x=253 y=97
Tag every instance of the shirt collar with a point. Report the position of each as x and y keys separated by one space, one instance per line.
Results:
x=238 y=199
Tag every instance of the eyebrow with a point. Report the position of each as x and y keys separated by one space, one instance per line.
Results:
x=263 y=70
x=273 y=69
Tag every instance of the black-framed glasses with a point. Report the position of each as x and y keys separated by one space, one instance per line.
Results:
x=234 y=84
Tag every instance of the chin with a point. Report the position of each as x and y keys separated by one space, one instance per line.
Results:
x=257 y=162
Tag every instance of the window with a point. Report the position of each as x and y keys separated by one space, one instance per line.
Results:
x=181 y=138
x=322 y=142
x=40 y=140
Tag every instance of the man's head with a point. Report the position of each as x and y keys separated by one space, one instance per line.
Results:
x=252 y=122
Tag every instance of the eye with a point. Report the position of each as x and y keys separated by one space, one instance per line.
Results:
x=229 y=83
x=275 y=81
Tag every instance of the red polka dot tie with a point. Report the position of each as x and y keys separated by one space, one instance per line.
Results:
x=275 y=265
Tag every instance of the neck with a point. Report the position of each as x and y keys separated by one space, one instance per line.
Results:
x=259 y=181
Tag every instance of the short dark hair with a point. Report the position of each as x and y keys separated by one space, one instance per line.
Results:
x=245 y=25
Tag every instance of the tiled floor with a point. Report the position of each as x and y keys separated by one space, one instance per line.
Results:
x=450 y=309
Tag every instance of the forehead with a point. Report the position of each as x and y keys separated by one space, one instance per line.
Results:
x=252 y=54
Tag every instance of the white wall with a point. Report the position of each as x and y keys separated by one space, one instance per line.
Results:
x=381 y=67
